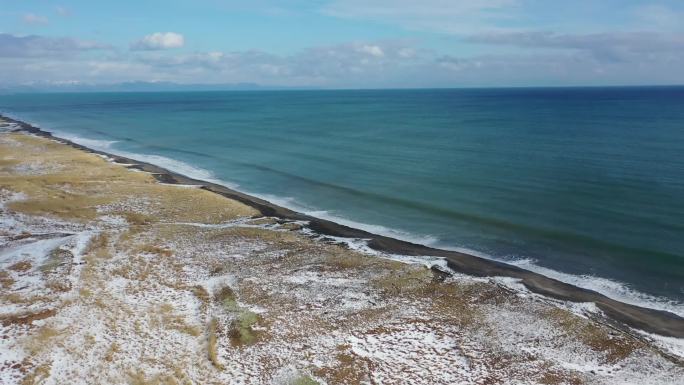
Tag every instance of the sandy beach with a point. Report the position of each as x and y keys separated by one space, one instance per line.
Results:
x=115 y=271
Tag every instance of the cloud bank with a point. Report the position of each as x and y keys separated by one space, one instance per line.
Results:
x=436 y=43
x=159 y=41
x=31 y=18
x=12 y=46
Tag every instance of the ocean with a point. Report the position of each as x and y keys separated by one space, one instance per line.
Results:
x=585 y=185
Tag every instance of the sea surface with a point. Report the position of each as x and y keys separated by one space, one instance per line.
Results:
x=582 y=184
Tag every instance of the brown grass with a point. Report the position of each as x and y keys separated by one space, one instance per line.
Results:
x=226 y=298
x=338 y=258
x=41 y=340
x=37 y=376
x=97 y=245
x=241 y=332
x=59 y=285
x=615 y=347
x=349 y=369
x=407 y=279
x=57 y=260
x=152 y=249
x=138 y=377
x=255 y=233
x=65 y=206
x=554 y=378
x=93 y=181
x=23 y=235
x=113 y=350
x=26 y=318
x=6 y=281
x=201 y=293
x=212 y=344
x=21 y=266
x=136 y=219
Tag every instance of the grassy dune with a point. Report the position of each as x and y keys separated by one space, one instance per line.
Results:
x=107 y=276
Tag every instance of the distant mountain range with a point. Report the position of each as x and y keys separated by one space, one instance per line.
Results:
x=137 y=87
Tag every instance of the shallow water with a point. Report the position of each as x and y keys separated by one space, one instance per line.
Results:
x=585 y=184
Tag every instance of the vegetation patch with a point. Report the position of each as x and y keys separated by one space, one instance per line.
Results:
x=20 y=266
x=615 y=347
x=240 y=331
x=226 y=298
x=6 y=280
x=152 y=249
x=26 y=318
x=304 y=380
x=58 y=261
x=212 y=343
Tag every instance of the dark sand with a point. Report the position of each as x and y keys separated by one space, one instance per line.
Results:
x=649 y=320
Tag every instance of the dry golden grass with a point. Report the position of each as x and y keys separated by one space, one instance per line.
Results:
x=41 y=340
x=349 y=369
x=59 y=285
x=111 y=353
x=93 y=181
x=152 y=249
x=225 y=297
x=241 y=332
x=407 y=279
x=615 y=347
x=138 y=377
x=26 y=318
x=166 y=318
x=57 y=262
x=201 y=293
x=37 y=376
x=338 y=258
x=255 y=233
x=6 y=281
x=212 y=344
x=20 y=266
x=555 y=378
x=22 y=235
x=6 y=164
x=97 y=246
x=65 y=206
x=136 y=219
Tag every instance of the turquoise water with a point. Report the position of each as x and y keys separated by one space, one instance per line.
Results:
x=584 y=184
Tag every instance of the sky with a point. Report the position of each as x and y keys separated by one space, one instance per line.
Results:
x=343 y=43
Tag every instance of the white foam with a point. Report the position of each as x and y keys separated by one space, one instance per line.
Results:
x=672 y=345
x=95 y=144
x=613 y=289
x=292 y=204
x=170 y=164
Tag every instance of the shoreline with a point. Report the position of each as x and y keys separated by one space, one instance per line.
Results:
x=650 y=320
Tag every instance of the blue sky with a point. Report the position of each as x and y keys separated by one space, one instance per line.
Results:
x=343 y=43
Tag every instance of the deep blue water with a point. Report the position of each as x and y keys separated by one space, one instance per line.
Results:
x=583 y=181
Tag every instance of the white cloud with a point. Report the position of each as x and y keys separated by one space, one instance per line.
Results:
x=32 y=18
x=12 y=46
x=446 y=16
x=548 y=59
x=614 y=46
x=659 y=17
x=159 y=41
x=372 y=50
x=61 y=11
